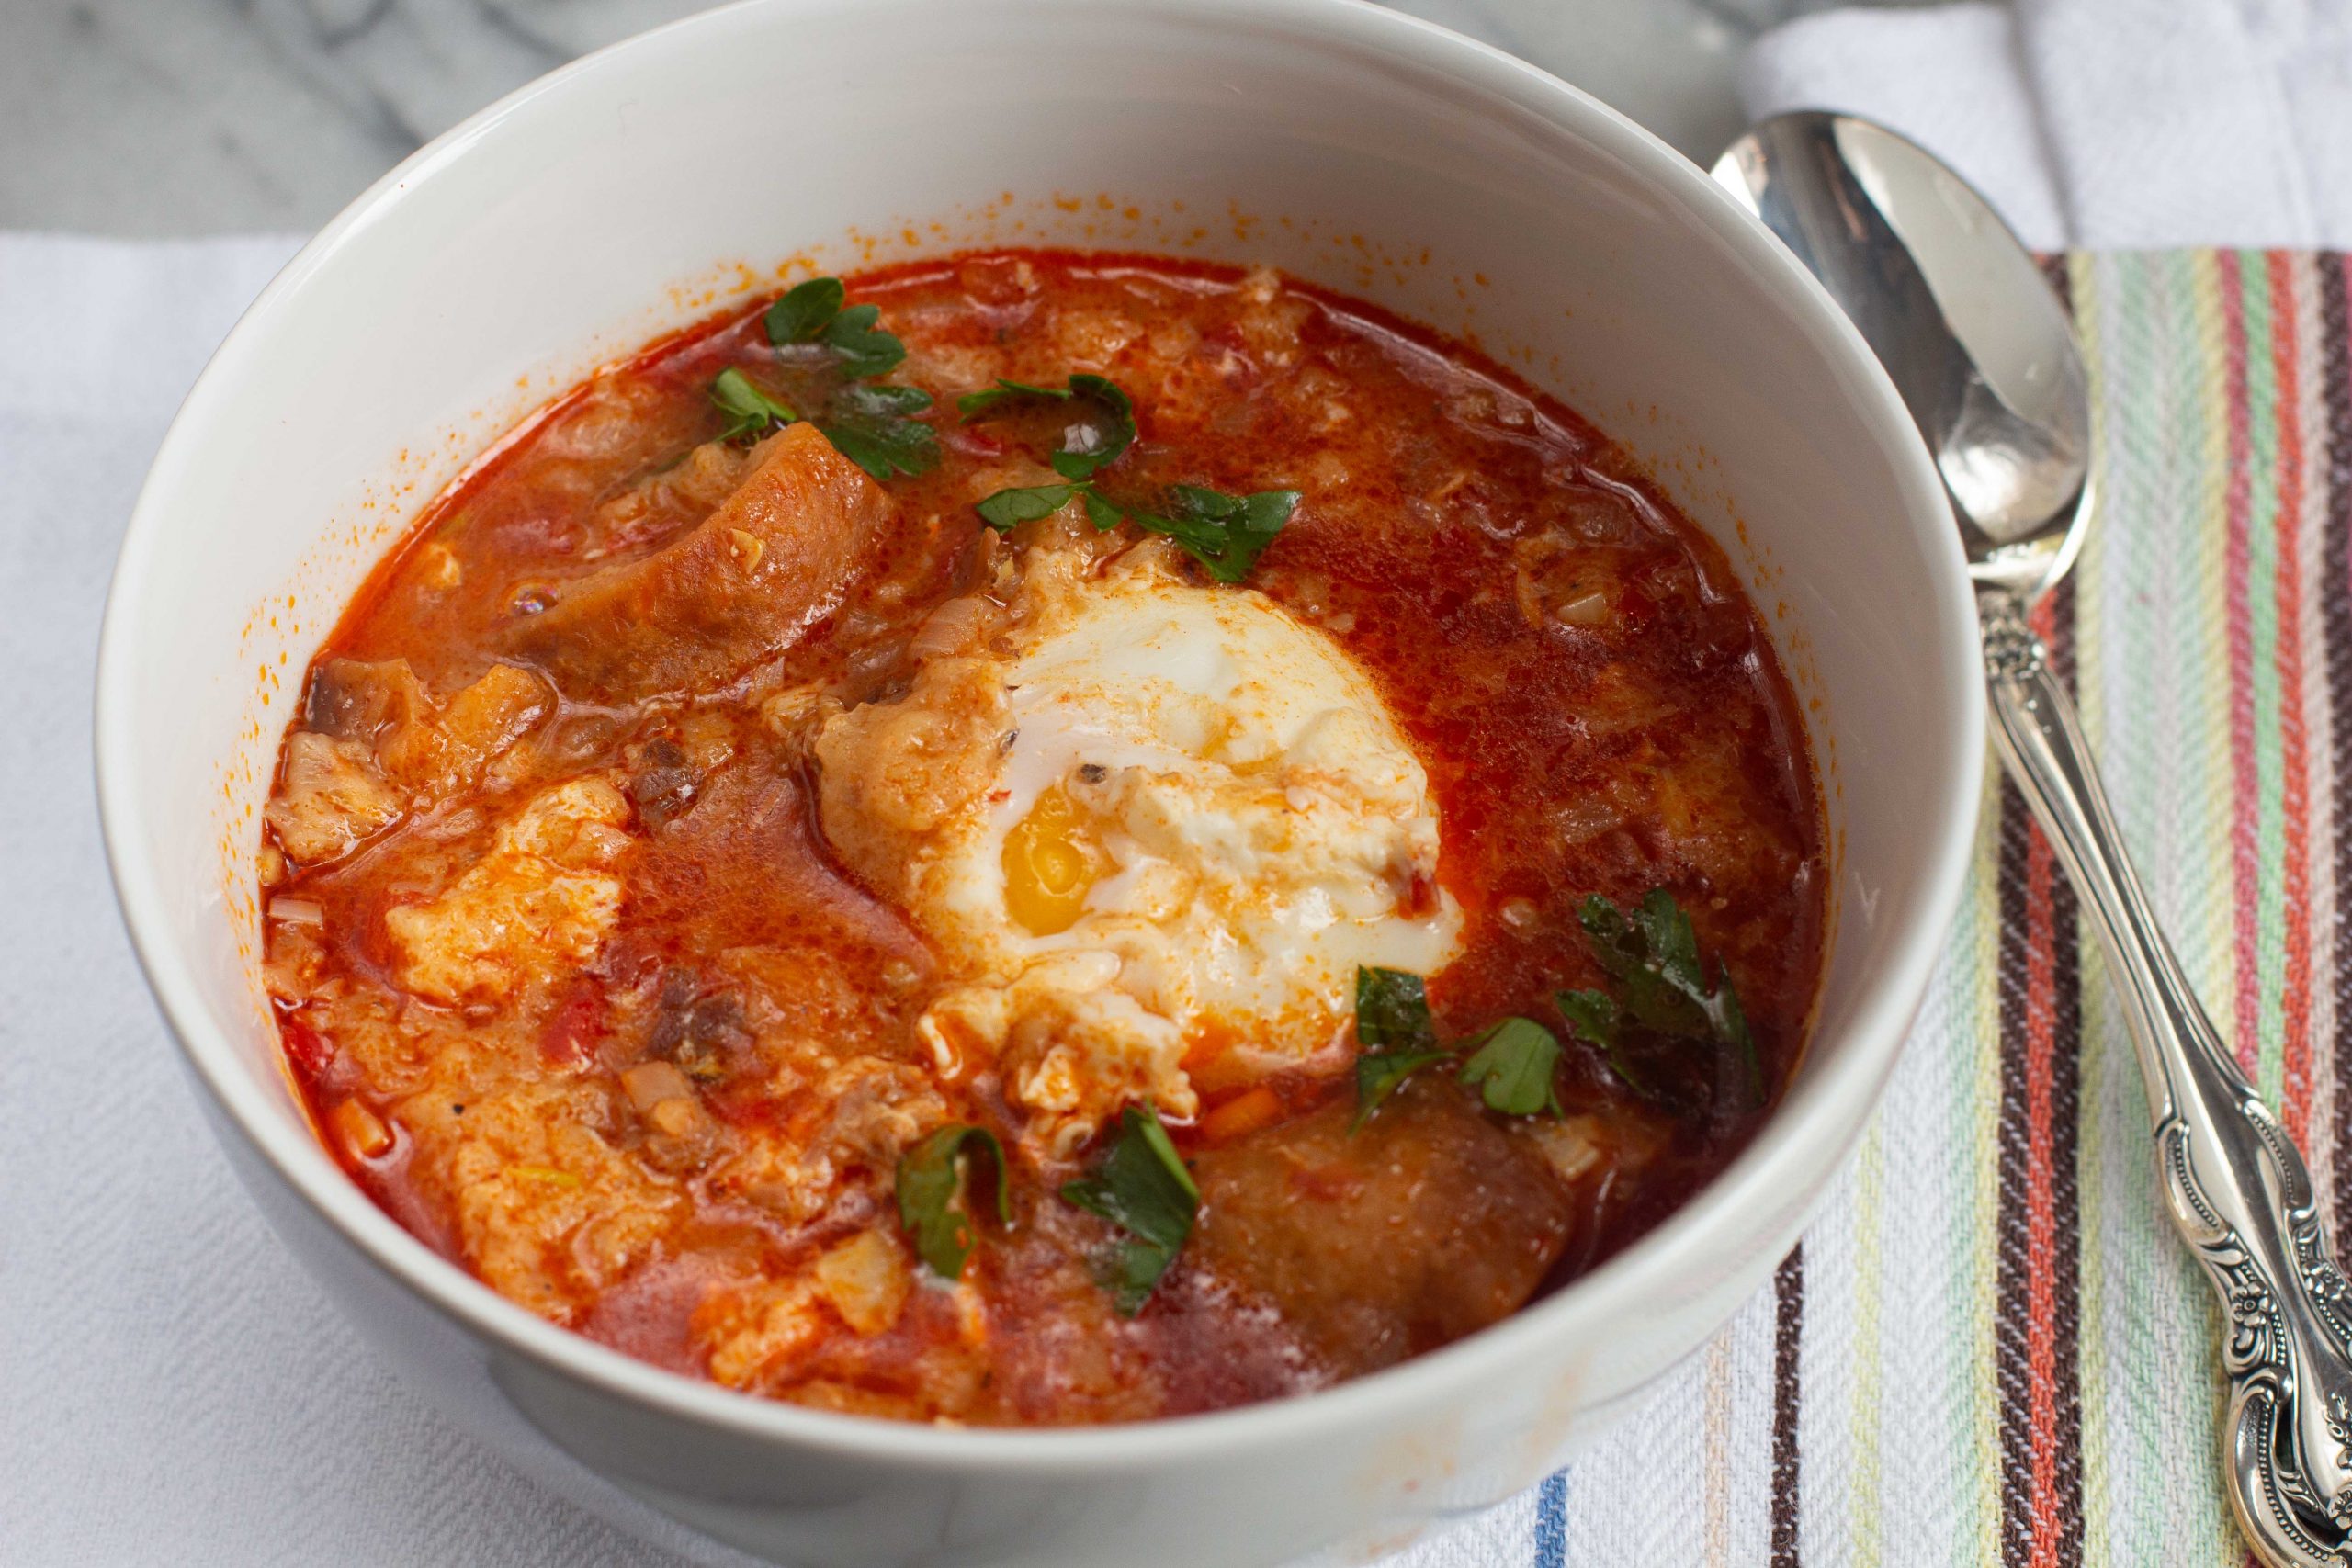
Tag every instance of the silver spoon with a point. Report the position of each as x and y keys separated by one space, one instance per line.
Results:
x=1988 y=365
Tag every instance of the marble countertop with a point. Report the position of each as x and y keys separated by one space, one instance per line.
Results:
x=196 y=117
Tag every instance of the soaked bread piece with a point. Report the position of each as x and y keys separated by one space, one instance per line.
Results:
x=768 y=564
x=539 y=903
x=1426 y=1224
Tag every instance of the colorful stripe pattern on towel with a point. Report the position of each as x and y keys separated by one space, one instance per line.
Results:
x=1991 y=1350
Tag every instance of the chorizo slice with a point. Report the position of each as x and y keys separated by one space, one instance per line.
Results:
x=744 y=585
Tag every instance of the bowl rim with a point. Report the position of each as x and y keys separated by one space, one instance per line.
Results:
x=1833 y=1104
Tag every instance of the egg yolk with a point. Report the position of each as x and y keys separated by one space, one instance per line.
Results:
x=1050 y=861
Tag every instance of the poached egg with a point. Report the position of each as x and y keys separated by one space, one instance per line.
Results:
x=1151 y=826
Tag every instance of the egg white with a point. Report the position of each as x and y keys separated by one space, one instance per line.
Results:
x=1264 y=826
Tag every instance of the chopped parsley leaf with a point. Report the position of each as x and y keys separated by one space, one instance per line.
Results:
x=750 y=412
x=1511 y=1064
x=1393 y=1011
x=930 y=1179
x=1394 y=1037
x=1512 y=1067
x=1143 y=1187
x=1225 y=533
x=1102 y=514
x=1595 y=1016
x=1091 y=443
x=814 y=314
x=1654 y=958
x=805 y=311
x=1011 y=508
x=972 y=405
x=860 y=345
x=838 y=349
x=874 y=427
x=1381 y=1073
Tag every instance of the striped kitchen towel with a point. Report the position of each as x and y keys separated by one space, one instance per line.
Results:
x=1991 y=1350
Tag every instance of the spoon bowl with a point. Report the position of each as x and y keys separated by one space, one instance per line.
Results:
x=1959 y=314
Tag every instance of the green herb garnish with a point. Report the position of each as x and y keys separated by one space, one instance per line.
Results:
x=929 y=1180
x=1393 y=1011
x=750 y=412
x=971 y=405
x=1380 y=1075
x=1009 y=508
x=1594 y=1015
x=1101 y=512
x=813 y=313
x=832 y=351
x=1511 y=1067
x=805 y=311
x=873 y=426
x=1653 y=954
x=1510 y=1062
x=1394 y=1037
x=1143 y=1187
x=857 y=340
x=1093 y=444
x=1225 y=533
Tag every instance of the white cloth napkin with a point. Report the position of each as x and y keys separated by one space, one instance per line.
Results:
x=2102 y=124
x=173 y=1388
x=175 y=1391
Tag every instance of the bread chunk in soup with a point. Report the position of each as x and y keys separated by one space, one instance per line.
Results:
x=773 y=558
x=1044 y=838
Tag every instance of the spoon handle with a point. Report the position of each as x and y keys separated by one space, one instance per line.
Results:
x=2237 y=1187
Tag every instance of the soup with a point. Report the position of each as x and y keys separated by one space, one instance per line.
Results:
x=1043 y=837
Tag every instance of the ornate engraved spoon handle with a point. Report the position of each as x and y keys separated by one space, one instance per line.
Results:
x=2236 y=1185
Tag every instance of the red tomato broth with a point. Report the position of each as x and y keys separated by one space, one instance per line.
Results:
x=1596 y=704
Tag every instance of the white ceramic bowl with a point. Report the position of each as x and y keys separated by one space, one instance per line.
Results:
x=639 y=188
